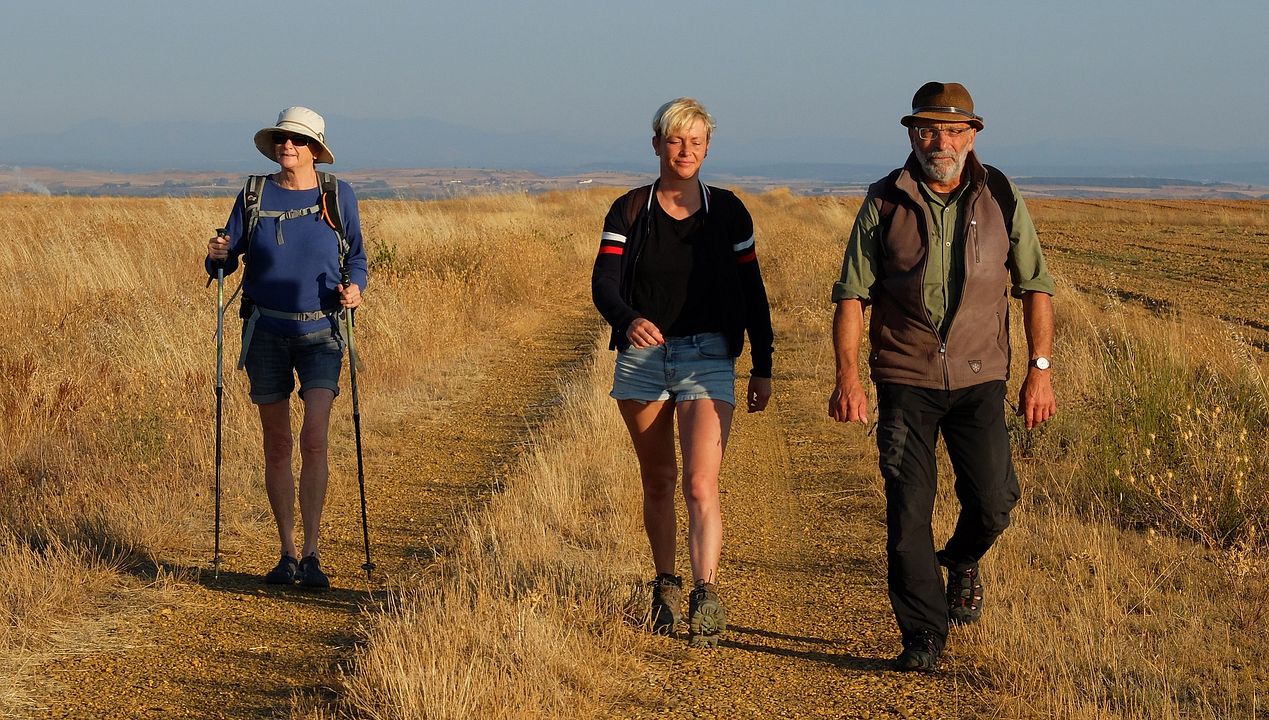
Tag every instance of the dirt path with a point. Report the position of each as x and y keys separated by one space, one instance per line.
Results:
x=803 y=570
x=803 y=575
x=235 y=648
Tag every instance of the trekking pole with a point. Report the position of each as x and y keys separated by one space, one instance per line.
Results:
x=361 y=477
x=220 y=392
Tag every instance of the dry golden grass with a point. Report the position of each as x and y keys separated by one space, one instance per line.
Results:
x=1090 y=616
x=1199 y=258
x=1122 y=591
x=521 y=618
x=107 y=362
x=1135 y=581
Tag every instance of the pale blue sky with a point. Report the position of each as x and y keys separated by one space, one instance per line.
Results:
x=1181 y=76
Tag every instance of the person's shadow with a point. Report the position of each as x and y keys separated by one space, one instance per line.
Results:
x=753 y=642
x=347 y=594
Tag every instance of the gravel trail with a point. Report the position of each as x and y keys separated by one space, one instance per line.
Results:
x=235 y=648
x=810 y=631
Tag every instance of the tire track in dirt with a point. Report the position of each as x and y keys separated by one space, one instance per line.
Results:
x=235 y=648
x=810 y=631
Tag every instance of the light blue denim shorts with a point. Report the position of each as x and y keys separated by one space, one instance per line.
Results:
x=694 y=367
x=274 y=361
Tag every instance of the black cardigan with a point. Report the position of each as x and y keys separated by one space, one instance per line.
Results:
x=727 y=220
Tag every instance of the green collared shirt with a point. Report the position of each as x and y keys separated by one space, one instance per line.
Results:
x=945 y=259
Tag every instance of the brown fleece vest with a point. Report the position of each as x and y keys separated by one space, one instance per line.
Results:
x=906 y=347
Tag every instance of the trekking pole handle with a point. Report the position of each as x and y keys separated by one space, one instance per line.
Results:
x=218 y=264
x=345 y=279
x=221 y=232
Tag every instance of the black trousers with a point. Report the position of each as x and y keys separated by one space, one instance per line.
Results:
x=972 y=422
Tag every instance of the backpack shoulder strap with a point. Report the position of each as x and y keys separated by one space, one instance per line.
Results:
x=998 y=185
x=251 y=192
x=636 y=200
x=330 y=203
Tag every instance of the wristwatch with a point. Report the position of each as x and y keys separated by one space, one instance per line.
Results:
x=1040 y=363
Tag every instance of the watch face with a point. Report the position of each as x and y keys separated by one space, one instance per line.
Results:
x=1040 y=363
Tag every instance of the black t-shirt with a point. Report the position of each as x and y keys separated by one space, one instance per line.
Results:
x=678 y=280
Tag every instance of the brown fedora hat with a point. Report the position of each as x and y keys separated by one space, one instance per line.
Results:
x=944 y=102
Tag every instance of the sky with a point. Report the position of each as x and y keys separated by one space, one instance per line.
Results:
x=819 y=80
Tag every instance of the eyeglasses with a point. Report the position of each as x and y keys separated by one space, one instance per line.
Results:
x=280 y=138
x=926 y=134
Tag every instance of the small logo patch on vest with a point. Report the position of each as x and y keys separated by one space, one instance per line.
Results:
x=976 y=365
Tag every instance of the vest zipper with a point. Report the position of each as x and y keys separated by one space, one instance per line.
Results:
x=943 y=359
x=929 y=320
x=973 y=230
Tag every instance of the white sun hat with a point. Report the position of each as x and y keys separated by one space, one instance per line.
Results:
x=299 y=121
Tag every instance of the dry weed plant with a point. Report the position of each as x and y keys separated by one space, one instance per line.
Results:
x=1134 y=583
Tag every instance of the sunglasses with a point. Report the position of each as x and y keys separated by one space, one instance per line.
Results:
x=280 y=138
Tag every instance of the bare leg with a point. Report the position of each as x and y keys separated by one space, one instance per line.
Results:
x=279 y=481
x=314 y=468
x=651 y=427
x=703 y=429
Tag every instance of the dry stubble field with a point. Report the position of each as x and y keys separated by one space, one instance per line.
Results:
x=1133 y=584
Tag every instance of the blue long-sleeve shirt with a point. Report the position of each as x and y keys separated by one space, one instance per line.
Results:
x=301 y=273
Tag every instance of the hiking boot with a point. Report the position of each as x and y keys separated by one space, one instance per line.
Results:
x=667 y=603
x=311 y=575
x=921 y=653
x=706 y=616
x=964 y=595
x=284 y=573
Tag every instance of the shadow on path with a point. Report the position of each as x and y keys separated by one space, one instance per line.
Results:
x=845 y=661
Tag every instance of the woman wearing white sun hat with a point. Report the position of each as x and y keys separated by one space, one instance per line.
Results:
x=284 y=227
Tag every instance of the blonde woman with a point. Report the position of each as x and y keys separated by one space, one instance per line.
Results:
x=677 y=278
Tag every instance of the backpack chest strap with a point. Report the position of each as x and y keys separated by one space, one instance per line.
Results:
x=283 y=215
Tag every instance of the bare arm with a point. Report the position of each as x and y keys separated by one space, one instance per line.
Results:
x=849 y=402
x=1036 y=401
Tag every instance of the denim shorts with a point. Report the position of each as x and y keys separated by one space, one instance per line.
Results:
x=273 y=361
x=694 y=367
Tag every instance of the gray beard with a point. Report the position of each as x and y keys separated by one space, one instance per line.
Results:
x=942 y=173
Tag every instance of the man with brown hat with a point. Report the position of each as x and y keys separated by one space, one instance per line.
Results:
x=937 y=248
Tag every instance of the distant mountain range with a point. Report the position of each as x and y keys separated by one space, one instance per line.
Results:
x=426 y=142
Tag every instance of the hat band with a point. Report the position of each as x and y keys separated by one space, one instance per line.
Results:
x=945 y=109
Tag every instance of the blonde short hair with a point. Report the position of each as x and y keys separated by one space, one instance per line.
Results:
x=680 y=113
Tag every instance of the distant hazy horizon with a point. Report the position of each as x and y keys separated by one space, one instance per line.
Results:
x=426 y=143
x=565 y=83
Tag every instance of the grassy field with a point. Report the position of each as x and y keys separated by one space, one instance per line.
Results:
x=1136 y=572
